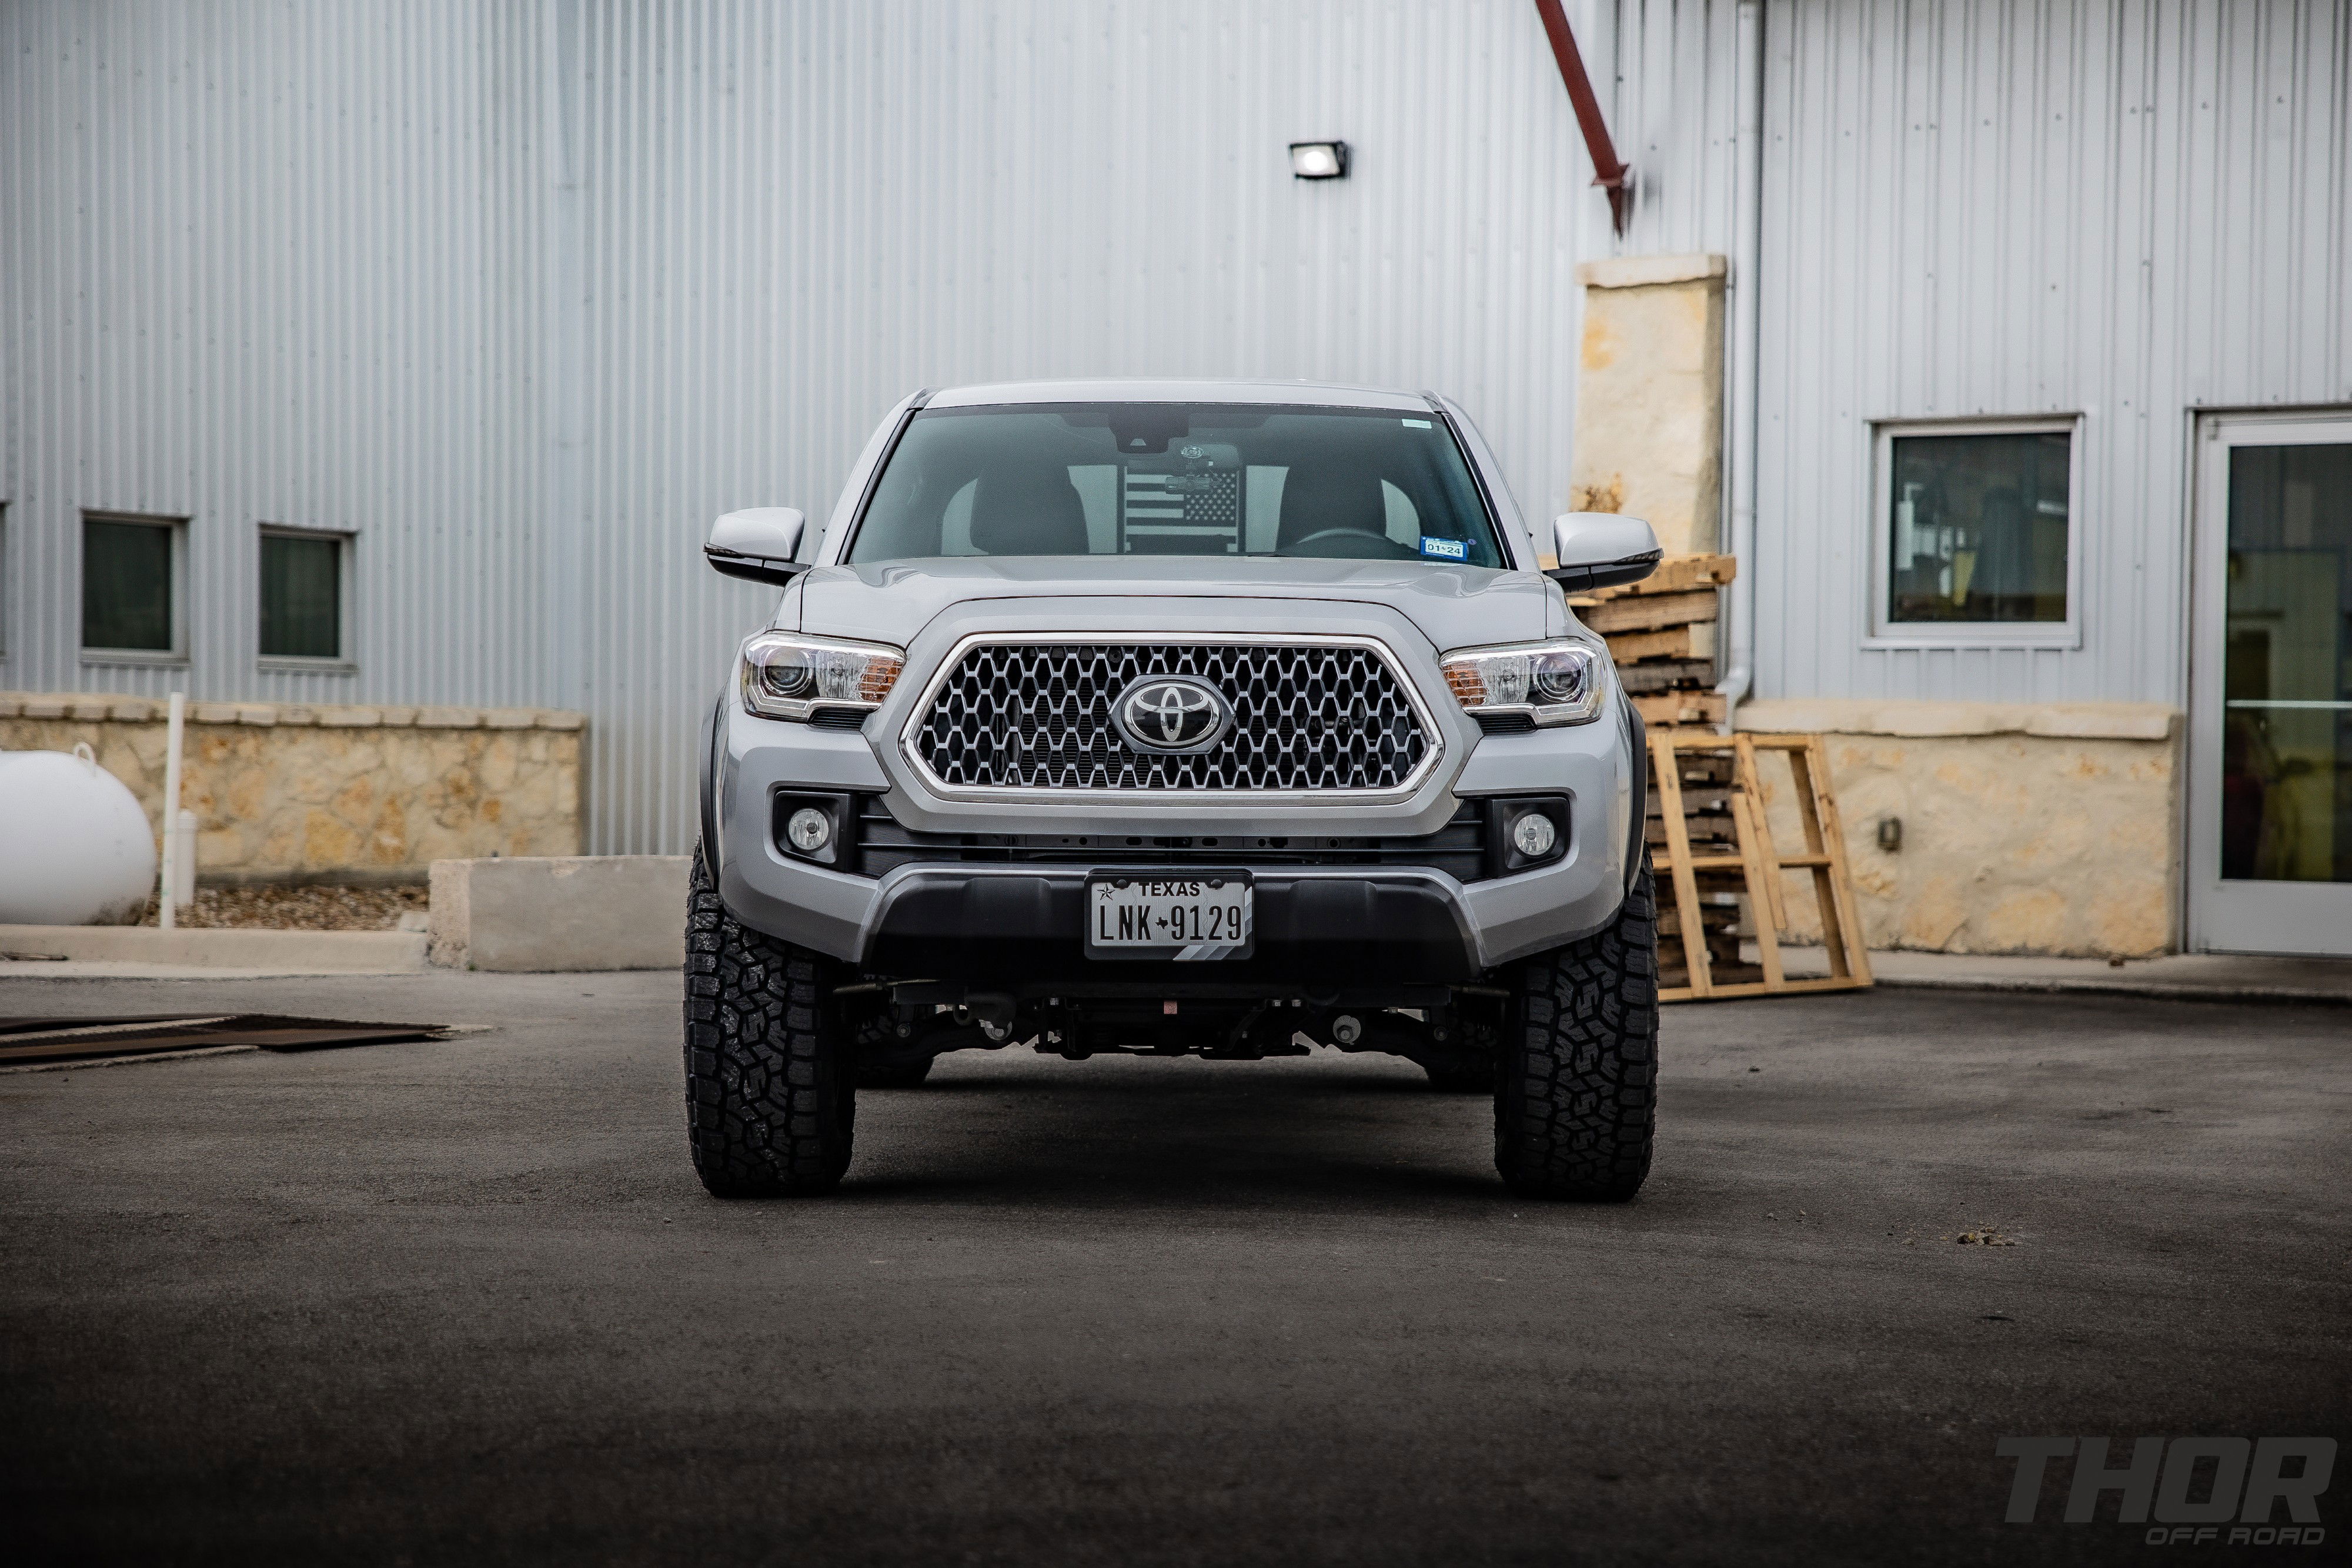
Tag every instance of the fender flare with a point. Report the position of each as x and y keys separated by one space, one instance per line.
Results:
x=707 y=794
x=1637 y=757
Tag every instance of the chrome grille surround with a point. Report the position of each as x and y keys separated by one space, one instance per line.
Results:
x=1026 y=717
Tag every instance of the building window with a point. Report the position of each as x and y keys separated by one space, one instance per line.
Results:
x=1977 y=540
x=305 y=576
x=131 y=587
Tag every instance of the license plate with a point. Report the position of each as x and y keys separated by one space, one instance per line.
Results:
x=1187 y=918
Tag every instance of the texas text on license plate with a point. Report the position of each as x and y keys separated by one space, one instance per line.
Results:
x=1181 y=917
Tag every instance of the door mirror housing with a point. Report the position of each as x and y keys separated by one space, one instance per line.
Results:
x=758 y=544
x=1600 y=550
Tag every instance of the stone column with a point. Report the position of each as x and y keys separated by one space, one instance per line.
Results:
x=1649 y=396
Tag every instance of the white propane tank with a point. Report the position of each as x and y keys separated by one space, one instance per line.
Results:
x=75 y=846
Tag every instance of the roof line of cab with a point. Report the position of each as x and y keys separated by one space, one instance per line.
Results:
x=1296 y=394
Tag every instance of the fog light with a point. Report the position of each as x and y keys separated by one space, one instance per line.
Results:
x=811 y=829
x=1318 y=160
x=1533 y=835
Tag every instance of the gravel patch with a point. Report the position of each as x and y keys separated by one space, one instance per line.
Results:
x=297 y=908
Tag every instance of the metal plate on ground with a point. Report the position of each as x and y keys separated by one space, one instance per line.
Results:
x=1184 y=918
x=29 y=1040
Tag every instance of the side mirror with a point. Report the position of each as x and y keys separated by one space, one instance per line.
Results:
x=1600 y=550
x=758 y=545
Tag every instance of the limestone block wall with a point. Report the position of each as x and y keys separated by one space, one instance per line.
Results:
x=2043 y=829
x=285 y=792
x=1649 y=397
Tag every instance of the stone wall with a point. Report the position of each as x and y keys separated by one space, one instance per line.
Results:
x=1649 y=397
x=285 y=792
x=2047 y=829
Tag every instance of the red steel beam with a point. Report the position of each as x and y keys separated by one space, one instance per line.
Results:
x=1609 y=172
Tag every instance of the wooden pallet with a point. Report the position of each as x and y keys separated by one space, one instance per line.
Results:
x=1661 y=636
x=1711 y=845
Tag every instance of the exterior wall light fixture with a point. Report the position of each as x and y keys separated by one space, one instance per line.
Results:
x=1318 y=160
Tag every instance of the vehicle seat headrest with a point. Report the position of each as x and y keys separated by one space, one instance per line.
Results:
x=1028 y=508
x=1330 y=494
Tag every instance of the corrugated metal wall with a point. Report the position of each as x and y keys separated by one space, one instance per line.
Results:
x=1675 y=119
x=525 y=294
x=793 y=215
x=2121 y=209
x=258 y=264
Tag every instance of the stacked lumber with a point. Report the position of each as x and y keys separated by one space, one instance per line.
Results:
x=1660 y=633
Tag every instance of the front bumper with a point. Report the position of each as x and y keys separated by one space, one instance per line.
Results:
x=967 y=921
x=973 y=923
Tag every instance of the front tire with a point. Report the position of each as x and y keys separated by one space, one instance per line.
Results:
x=1576 y=1106
x=769 y=1103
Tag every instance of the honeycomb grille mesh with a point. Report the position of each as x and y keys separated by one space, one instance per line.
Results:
x=1037 y=716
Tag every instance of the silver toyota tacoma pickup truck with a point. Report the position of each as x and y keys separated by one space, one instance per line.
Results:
x=1223 y=718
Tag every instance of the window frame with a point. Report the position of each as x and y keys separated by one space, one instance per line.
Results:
x=1882 y=630
x=341 y=661
x=177 y=655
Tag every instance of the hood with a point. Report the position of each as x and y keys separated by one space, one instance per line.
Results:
x=1454 y=606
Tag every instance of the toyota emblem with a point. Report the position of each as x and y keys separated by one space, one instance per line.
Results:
x=1173 y=712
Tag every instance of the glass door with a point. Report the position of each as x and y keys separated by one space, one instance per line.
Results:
x=2270 y=797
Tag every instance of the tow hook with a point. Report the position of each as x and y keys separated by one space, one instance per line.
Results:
x=993 y=1012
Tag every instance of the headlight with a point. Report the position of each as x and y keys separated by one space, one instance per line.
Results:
x=785 y=676
x=1551 y=683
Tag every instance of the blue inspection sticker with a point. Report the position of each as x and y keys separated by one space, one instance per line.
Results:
x=1444 y=549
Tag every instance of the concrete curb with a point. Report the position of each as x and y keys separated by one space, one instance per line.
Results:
x=58 y=950
x=569 y=915
x=2155 y=990
x=2174 y=978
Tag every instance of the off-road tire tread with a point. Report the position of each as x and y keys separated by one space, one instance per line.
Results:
x=770 y=1102
x=1576 y=1106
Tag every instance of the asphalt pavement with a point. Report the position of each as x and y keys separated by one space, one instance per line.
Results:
x=464 y=1302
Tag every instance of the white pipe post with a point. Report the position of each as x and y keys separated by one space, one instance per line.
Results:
x=1747 y=223
x=170 y=883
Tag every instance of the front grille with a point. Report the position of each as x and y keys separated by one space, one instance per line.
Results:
x=1037 y=716
x=1458 y=849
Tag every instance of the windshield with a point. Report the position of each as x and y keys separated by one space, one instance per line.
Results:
x=1155 y=478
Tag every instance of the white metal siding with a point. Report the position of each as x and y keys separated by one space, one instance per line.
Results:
x=527 y=293
x=793 y=215
x=1675 y=119
x=524 y=294
x=2121 y=209
x=258 y=265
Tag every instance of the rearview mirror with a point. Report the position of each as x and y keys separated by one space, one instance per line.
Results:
x=1600 y=550
x=758 y=544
